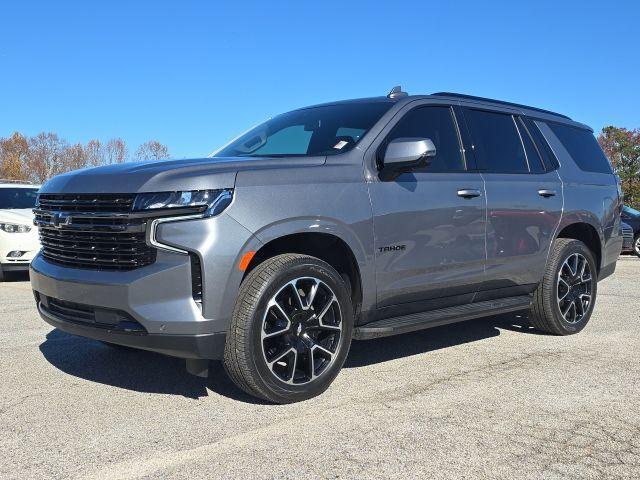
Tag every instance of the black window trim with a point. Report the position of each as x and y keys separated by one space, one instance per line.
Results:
x=524 y=148
x=545 y=168
x=541 y=142
x=471 y=162
x=461 y=145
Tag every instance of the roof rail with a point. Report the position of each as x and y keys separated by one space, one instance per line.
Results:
x=499 y=102
x=21 y=182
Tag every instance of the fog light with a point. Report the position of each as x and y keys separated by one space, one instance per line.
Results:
x=15 y=254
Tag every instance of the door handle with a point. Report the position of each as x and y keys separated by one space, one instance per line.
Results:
x=546 y=193
x=468 y=193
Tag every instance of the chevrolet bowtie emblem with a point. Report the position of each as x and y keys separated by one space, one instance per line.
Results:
x=59 y=220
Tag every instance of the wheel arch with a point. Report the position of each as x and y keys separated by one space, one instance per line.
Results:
x=328 y=247
x=587 y=234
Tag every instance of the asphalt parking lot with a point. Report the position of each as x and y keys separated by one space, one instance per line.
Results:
x=487 y=398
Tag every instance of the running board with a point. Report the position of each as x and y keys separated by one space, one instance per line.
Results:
x=435 y=318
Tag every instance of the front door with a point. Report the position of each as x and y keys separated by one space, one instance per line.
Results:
x=429 y=224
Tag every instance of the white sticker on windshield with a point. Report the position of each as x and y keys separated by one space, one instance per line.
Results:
x=340 y=145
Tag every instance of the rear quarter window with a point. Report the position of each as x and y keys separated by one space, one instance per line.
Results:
x=583 y=148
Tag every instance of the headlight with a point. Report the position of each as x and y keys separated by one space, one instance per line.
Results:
x=212 y=202
x=14 y=228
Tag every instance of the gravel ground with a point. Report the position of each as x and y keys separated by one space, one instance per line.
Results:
x=488 y=398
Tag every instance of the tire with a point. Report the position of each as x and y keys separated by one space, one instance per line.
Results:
x=279 y=347
x=636 y=245
x=561 y=290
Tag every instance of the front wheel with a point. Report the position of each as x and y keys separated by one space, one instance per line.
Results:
x=291 y=329
x=636 y=245
x=564 y=300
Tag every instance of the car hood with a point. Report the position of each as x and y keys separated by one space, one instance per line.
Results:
x=21 y=216
x=169 y=175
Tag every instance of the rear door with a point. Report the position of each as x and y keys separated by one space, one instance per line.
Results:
x=524 y=202
x=429 y=223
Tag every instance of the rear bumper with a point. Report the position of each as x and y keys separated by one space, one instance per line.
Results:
x=202 y=346
x=610 y=253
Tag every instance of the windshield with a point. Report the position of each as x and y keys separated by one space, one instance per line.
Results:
x=326 y=130
x=18 y=197
x=632 y=212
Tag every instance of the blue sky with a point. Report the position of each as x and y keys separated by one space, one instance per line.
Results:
x=192 y=74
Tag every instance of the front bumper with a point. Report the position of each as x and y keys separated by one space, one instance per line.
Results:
x=159 y=296
x=22 y=242
x=202 y=346
x=171 y=322
x=14 y=267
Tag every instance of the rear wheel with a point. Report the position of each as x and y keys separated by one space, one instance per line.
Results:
x=564 y=300
x=291 y=329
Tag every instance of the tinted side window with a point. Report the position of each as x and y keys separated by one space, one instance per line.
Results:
x=496 y=142
x=548 y=157
x=583 y=148
x=533 y=156
x=436 y=123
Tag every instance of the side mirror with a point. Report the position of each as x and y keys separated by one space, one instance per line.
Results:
x=408 y=153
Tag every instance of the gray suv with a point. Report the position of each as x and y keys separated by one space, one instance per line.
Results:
x=350 y=220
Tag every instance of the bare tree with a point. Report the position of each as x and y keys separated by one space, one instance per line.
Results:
x=14 y=153
x=73 y=158
x=152 y=150
x=94 y=153
x=115 y=152
x=45 y=156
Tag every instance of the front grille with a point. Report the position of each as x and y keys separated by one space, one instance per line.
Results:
x=627 y=232
x=93 y=231
x=86 y=203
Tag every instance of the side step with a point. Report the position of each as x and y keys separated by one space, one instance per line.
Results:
x=434 y=318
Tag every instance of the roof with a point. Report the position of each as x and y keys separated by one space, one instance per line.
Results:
x=353 y=100
x=462 y=96
x=451 y=95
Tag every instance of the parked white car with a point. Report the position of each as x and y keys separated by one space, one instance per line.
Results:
x=19 y=241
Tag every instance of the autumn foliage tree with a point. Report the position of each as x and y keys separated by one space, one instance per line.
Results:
x=38 y=158
x=14 y=157
x=622 y=146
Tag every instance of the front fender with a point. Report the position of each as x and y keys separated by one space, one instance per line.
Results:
x=363 y=253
